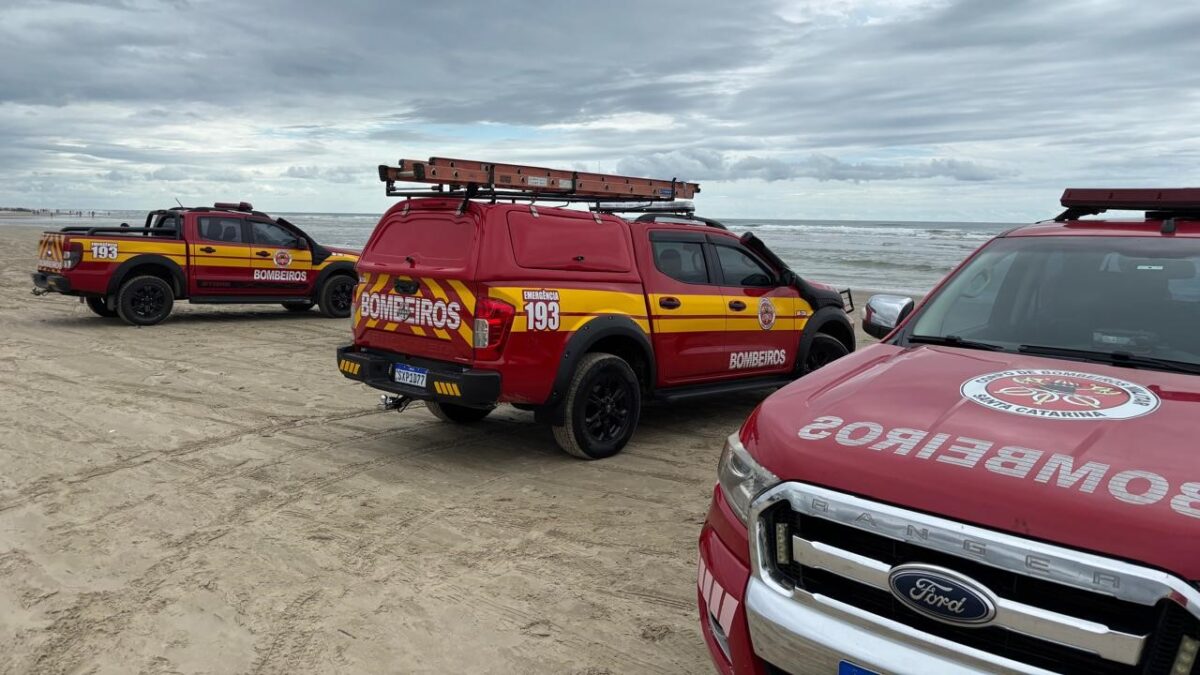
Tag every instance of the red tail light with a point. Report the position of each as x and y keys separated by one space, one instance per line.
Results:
x=72 y=254
x=493 y=318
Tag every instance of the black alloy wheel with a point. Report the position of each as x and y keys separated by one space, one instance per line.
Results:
x=601 y=408
x=824 y=350
x=337 y=296
x=606 y=413
x=100 y=307
x=145 y=300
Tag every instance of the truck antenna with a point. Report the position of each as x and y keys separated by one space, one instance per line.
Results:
x=179 y=202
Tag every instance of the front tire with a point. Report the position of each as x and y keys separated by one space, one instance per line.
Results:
x=457 y=414
x=145 y=300
x=100 y=307
x=337 y=296
x=824 y=350
x=602 y=408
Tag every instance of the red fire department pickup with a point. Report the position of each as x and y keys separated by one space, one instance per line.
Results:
x=1007 y=483
x=226 y=254
x=576 y=315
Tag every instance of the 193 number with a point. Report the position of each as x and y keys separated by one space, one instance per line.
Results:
x=104 y=251
x=541 y=315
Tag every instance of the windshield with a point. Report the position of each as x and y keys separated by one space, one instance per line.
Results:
x=1135 y=295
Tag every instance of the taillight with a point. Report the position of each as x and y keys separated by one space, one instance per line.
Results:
x=492 y=321
x=72 y=254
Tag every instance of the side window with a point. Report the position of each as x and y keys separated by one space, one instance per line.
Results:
x=224 y=230
x=681 y=260
x=270 y=234
x=739 y=269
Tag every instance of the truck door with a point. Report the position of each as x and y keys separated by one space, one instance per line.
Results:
x=280 y=260
x=761 y=328
x=687 y=309
x=219 y=257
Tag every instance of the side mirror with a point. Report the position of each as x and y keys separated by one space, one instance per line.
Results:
x=884 y=312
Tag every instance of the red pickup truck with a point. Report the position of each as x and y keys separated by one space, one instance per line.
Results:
x=579 y=316
x=1007 y=483
x=229 y=253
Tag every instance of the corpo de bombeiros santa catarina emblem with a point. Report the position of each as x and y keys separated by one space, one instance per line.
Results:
x=283 y=258
x=1060 y=394
x=766 y=313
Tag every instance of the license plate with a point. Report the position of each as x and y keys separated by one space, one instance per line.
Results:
x=847 y=668
x=410 y=375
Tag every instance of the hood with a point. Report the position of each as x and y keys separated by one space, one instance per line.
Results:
x=1077 y=454
x=343 y=250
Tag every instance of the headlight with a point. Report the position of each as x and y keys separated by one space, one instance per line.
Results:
x=742 y=478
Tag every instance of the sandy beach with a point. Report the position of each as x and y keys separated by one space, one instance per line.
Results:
x=209 y=495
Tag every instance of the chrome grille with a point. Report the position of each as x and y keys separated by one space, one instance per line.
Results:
x=1059 y=609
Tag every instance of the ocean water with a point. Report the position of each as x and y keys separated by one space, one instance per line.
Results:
x=907 y=257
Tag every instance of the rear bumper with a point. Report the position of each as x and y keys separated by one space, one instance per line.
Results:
x=49 y=281
x=445 y=381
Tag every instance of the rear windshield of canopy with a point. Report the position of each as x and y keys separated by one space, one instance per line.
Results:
x=432 y=241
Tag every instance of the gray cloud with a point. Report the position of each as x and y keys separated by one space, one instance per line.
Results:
x=710 y=165
x=940 y=100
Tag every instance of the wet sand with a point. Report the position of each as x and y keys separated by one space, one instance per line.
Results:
x=210 y=495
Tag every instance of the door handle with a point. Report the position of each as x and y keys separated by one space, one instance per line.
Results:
x=406 y=286
x=669 y=303
x=208 y=249
x=262 y=254
x=737 y=305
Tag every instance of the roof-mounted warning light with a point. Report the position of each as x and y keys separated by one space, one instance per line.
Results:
x=231 y=206
x=473 y=179
x=1157 y=203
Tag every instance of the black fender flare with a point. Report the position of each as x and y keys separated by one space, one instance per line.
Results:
x=820 y=319
x=592 y=332
x=344 y=267
x=122 y=272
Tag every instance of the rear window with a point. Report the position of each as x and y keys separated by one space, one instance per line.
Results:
x=569 y=242
x=442 y=241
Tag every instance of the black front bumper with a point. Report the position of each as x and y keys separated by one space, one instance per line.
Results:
x=48 y=281
x=445 y=381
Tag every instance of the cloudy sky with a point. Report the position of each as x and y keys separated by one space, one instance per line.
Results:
x=863 y=109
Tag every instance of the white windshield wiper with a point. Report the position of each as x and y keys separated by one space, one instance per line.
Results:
x=954 y=341
x=1114 y=358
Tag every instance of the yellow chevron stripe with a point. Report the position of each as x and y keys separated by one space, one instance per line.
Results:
x=380 y=282
x=440 y=294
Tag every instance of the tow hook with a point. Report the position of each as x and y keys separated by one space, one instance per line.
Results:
x=40 y=291
x=397 y=403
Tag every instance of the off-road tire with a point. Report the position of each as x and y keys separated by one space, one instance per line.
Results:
x=337 y=296
x=145 y=300
x=99 y=306
x=605 y=386
x=298 y=306
x=457 y=414
x=822 y=351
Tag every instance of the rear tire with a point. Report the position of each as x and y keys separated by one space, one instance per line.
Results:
x=602 y=408
x=298 y=306
x=822 y=351
x=337 y=296
x=457 y=414
x=100 y=307
x=145 y=300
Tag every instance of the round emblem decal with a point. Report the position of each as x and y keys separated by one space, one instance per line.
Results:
x=766 y=313
x=283 y=258
x=942 y=594
x=1060 y=395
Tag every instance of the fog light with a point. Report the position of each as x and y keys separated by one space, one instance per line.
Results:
x=719 y=636
x=1186 y=657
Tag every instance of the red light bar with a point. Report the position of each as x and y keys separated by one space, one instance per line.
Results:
x=1136 y=199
